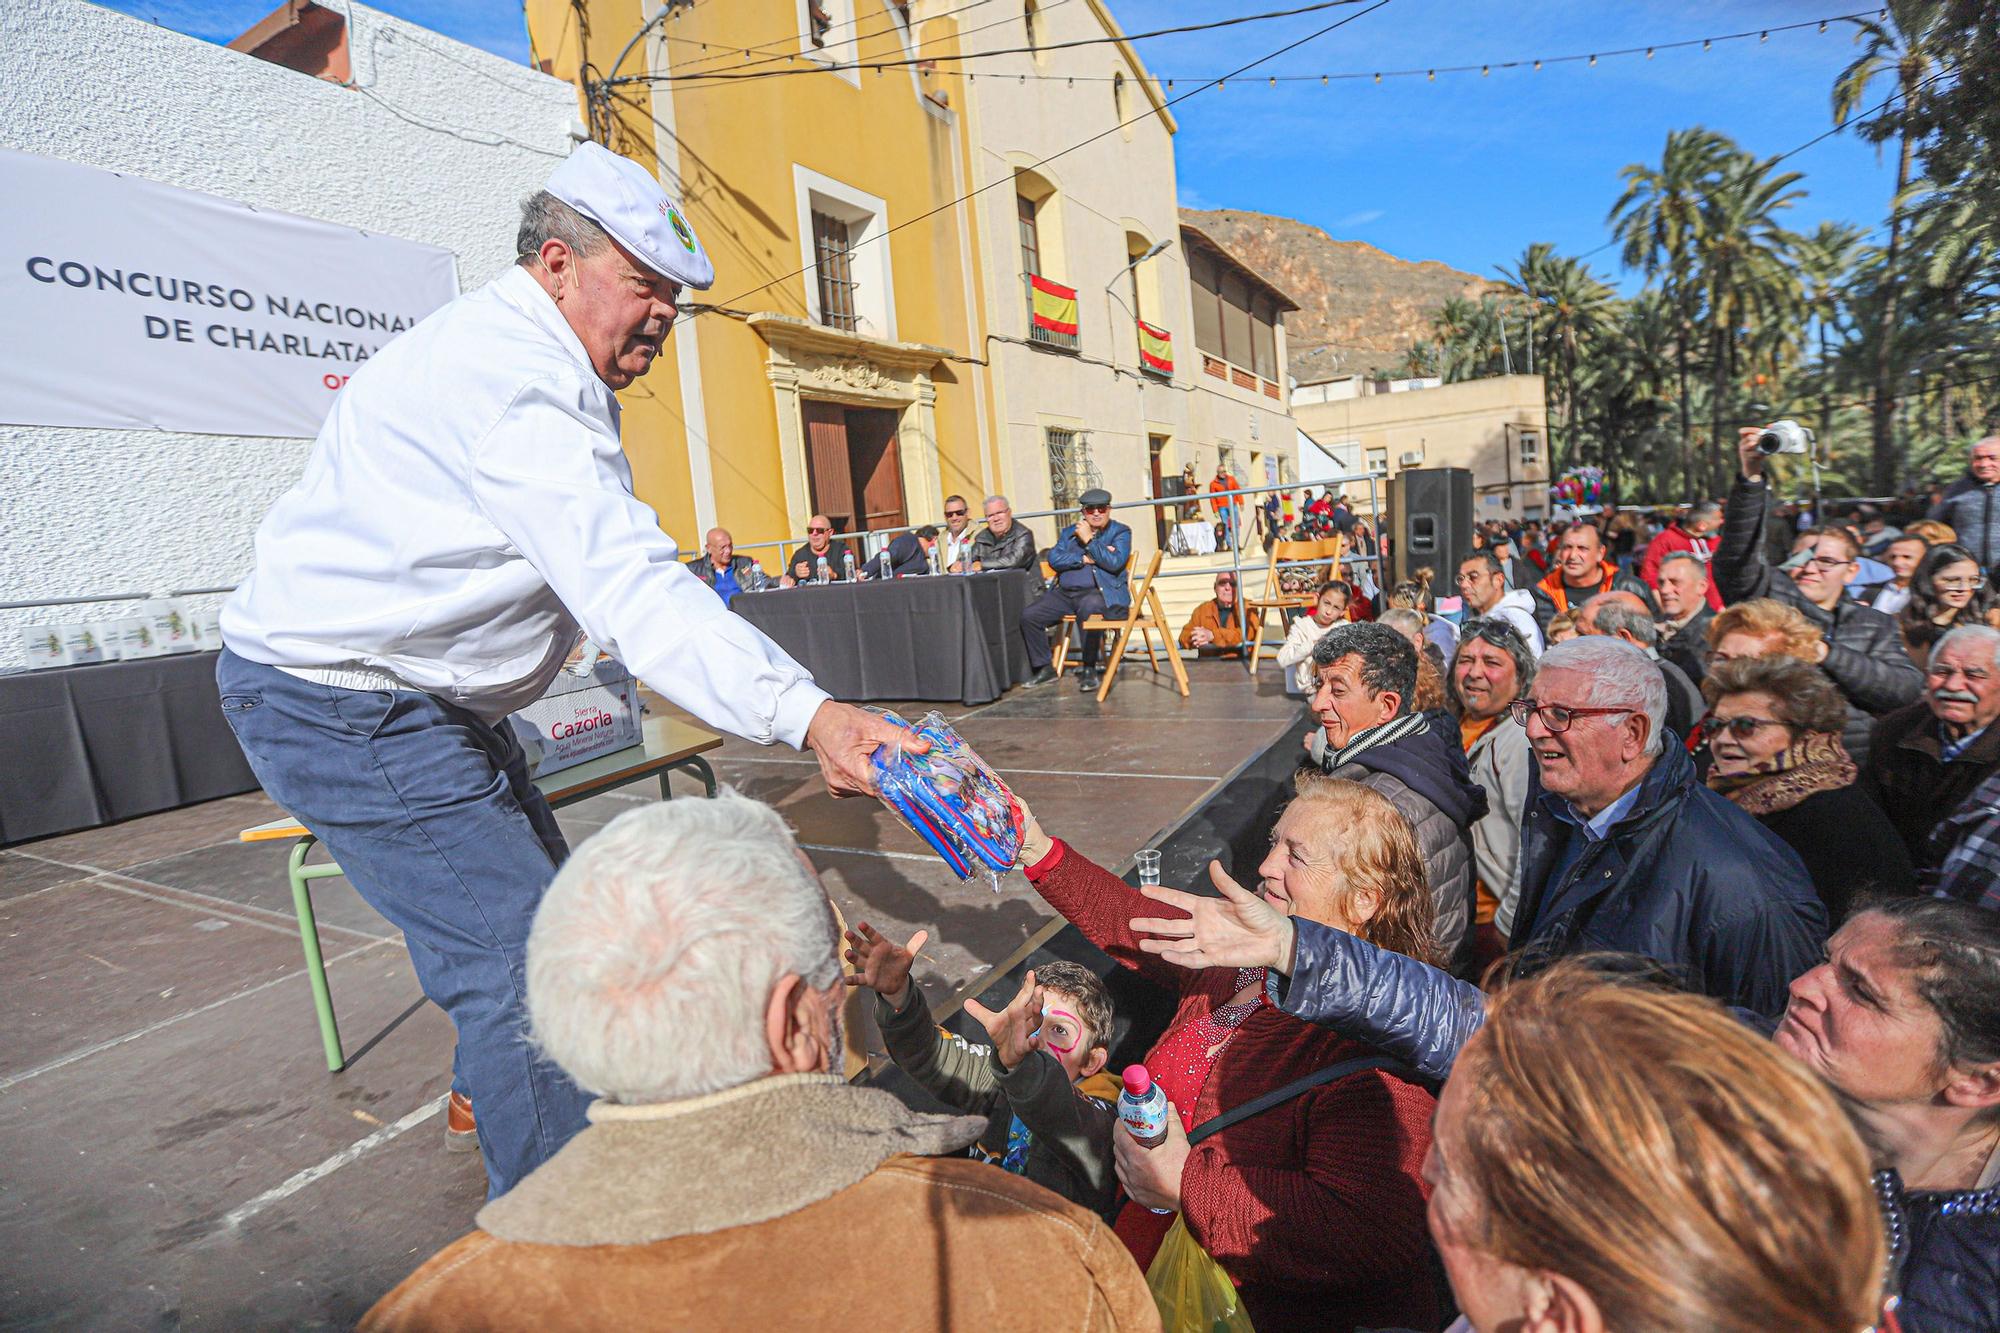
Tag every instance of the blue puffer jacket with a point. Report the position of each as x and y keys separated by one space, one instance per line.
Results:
x=1685 y=878
x=1945 y=1244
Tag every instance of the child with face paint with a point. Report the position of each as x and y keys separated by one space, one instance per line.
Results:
x=1041 y=1083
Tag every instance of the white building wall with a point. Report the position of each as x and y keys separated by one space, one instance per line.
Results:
x=438 y=143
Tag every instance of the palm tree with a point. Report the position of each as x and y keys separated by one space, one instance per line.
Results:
x=1749 y=283
x=1660 y=219
x=1569 y=307
x=1898 y=47
x=1827 y=261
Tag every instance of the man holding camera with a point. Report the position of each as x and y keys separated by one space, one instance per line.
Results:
x=1862 y=649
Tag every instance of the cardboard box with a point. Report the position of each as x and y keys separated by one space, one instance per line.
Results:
x=87 y=643
x=580 y=717
x=173 y=628
x=132 y=637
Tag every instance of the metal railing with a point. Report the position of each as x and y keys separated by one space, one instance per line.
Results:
x=875 y=539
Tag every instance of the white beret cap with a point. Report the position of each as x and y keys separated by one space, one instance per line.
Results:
x=622 y=197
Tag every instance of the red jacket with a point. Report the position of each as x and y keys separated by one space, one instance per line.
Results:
x=1676 y=538
x=1316 y=1207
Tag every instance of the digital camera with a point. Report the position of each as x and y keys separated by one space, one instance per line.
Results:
x=1785 y=437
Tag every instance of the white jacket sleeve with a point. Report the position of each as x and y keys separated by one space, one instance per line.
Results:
x=557 y=484
x=1497 y=837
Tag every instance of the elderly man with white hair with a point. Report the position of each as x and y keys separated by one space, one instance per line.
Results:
x=1624 y=851
x=1926 y=760
x=683 y=968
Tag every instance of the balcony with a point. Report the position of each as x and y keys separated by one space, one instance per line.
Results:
x=1156 y=350
x=1052 y=314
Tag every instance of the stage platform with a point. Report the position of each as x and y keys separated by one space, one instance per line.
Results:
x=176 y=1153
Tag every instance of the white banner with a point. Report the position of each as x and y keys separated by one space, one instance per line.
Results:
x=129 y=304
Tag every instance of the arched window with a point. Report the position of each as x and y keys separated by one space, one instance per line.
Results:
x=1031 y=18
x=1118 y=97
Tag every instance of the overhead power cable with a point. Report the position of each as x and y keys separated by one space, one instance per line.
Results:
x=770 y=48
x=819 y=66
x=1008 y=180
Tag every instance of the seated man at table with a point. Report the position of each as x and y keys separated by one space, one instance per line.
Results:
x=956 y=540
x=723 y=570
x=1216 y=627
x=906 y=556
x=1089 y=564
x=803 y=567
x=1005 y=544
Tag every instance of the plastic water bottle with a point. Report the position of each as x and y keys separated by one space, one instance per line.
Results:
x=1143 y=1107
x=823 y=572
x=847 y=566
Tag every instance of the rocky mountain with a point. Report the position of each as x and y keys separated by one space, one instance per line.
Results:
x=1360 y=308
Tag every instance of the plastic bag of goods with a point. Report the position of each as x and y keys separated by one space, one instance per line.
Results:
x=952 y=800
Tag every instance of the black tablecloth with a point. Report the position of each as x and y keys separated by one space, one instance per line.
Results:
x=87 y=745
x=946 y=637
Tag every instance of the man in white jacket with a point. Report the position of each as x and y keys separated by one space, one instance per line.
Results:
x=466 y=506
x=1482 y=581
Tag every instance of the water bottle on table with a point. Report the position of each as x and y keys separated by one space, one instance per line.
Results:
x=1142 y=1106
x=823 y=573
x=847 y=566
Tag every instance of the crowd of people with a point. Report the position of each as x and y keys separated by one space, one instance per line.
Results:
x=1544 y=1013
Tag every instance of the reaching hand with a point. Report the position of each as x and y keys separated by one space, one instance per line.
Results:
x=1239 y=929
x=880 y=965
x=1035 y=844
x=844 y=738
x=1013 y=1029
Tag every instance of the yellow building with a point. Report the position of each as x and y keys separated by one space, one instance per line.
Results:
x=829 y=368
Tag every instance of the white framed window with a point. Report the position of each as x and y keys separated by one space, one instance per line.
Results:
x=1531 y=447
x=826 y=34
x=861 y=295
x=1378 y=459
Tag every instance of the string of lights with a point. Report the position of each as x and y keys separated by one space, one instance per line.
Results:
x=784 y=47
x=1589 y=59
x=1008 y=181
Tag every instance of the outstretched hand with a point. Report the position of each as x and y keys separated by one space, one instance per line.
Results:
x=882 y=965
x=1238 y=929
x=844 y=739
x=1013 y=1029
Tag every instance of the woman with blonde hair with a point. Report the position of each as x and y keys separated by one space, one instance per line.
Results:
x=1315 y=1206
x=1609 y=1155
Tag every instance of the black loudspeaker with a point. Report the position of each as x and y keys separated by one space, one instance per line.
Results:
x=1430 y=517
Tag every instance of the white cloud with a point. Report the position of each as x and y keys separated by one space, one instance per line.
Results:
x=1361 y=219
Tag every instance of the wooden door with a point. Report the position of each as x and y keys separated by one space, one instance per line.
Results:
x=829 y=471
x=877 y=467
x=1155 y=446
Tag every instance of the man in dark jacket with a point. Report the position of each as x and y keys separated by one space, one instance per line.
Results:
x=1928 y=758
x=1004 y=544
x=1367 y=733
x=1969 y=503
x=1684 y=613
x=1581 y=572
x=1862 y=651
x=1089 y=562
x=1623 y=851
x=1620 y=615
x=723 y=570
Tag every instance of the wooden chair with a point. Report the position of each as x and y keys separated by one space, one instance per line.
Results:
x=1275 y=598
x=1144 y=617
x=1062 y=635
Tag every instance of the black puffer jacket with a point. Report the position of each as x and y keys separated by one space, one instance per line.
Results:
x=1945 y=1245
x=1864 y=649
x=1685 y=879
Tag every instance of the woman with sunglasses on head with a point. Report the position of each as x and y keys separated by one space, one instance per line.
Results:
x=1773 y=730
x=1947 y=590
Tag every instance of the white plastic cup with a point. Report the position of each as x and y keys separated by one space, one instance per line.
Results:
x=1149 y=866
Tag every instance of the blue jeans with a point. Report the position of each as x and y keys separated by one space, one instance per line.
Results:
x=432 y=816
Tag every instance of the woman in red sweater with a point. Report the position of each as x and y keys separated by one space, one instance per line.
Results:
x=1315 y=1208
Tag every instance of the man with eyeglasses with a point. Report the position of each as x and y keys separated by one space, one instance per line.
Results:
x=1928 y=758
x=803 y=567
x=1482 y=582
x=1862 y=649
x=1004 y=544
x=955 y=542
x=1623 y=851
x=1089 y=563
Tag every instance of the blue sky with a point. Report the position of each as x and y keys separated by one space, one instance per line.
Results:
x=1467 y=170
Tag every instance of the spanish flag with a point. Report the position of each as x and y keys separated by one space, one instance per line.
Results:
x=1156 y=348
x=1055 y=306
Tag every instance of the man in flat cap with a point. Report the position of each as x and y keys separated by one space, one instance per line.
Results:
x=1089 y=563
x=466 y=507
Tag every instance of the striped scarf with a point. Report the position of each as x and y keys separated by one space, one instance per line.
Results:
x=1410 y=724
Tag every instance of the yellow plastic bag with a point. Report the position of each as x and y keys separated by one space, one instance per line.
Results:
x=1192 y=1291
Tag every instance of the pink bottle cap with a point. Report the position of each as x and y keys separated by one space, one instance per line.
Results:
x=1138 y=1080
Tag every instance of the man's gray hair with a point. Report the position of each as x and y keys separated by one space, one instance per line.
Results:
x=546 y=218
x=1700 y=565
x=992 y=498
x=1985 y=634
x=1619 y=675
x=1388 y=661
x=1613 y=615
x=1704 y=509
x=655 y=951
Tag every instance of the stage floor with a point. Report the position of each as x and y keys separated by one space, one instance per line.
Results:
x=176 y=1153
